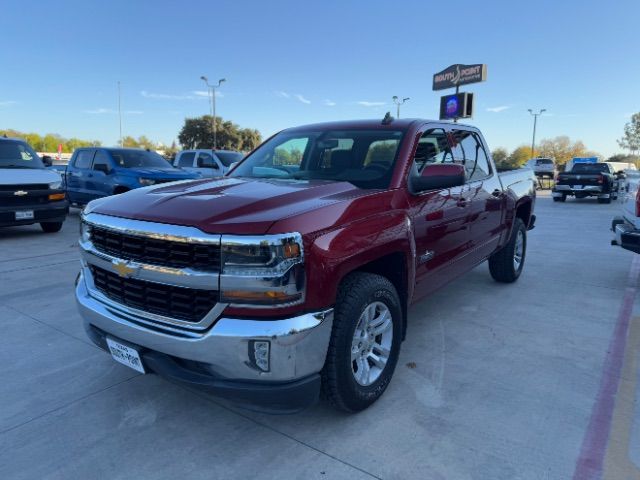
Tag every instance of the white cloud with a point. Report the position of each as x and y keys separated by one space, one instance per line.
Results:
x=7 y=103
x=110 y=111
x=198 y=95
x=330 y=103
x=205 y=94
x=501 y=108
x=282 y=94
x=302 y=99
x=370 y=104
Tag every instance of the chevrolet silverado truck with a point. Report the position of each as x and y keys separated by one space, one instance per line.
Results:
x=293 y=274
x=586 y=180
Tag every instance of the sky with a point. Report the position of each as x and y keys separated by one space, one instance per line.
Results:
x=291 y=63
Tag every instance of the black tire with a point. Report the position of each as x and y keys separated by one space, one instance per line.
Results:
x=51 y=227
x=339 y=386
x=501 y=263
x=604 y=200
x=563 y=198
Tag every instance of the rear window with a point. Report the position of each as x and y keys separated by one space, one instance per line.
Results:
x=544 y=161
x=590 y=167
x=186 y=159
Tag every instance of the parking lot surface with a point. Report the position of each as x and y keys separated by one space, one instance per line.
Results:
x=533 y=380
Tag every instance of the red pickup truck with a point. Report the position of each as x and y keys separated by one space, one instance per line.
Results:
x=292 y=275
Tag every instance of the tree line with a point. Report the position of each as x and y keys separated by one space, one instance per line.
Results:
x=49 y=142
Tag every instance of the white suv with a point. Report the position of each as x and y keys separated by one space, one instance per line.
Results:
x=209 y=163
x=542 y=167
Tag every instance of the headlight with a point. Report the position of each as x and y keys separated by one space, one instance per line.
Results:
x=85 y=232
x=55 y=185
x=145 y=182
x=262 y=271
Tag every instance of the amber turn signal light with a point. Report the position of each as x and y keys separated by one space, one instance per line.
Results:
x=56 y=196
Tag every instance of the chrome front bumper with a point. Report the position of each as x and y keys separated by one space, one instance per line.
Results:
x=298 y=344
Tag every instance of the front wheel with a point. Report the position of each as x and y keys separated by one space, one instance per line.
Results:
x=51 y=227
x=365 y=342
x=507 y=263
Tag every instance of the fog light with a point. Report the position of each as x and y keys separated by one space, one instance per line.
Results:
x=259 y=353
x=85 y=232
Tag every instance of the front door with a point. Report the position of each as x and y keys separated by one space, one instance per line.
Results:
x=439 y=219
x=78 y=177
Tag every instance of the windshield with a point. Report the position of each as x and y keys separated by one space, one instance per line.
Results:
x=138 y=158
x=365 y=158
x=590 y=167
x=18 y=155
x=227 y=158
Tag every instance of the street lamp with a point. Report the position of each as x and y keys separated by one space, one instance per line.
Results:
x=398 y=103
x=535 y=121
x=212 y=94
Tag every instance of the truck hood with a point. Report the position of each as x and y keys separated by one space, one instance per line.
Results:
x=227 y=205
x=22 y=176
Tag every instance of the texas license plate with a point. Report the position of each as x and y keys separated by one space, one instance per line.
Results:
x=125 y=355
x=577 y=187
x=24 y=215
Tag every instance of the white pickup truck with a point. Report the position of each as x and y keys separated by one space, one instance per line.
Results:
x=626 y=227
x=208 y=163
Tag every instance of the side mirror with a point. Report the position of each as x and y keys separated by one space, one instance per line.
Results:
x=101 y=167
x=438 y=176
x=47 y=160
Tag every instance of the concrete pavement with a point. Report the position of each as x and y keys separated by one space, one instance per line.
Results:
x=494 y=381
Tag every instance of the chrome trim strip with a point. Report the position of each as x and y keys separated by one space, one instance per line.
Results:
x=152 y=319
x=157 y=231
x=179 y=277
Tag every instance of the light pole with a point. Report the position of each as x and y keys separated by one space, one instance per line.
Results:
x=212 y=93
x=535 y=121
x=398 y=103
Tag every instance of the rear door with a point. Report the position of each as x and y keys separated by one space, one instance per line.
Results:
x=78 y=178
x=484 y=196
x=439 y=219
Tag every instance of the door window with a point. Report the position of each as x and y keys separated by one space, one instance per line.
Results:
x=433 y=147
x=84 y=158
x=206 y=160
x=468 y=149
x=186 y=159
x=101 y=161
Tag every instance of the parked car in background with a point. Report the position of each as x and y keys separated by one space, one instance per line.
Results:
x=209 y=163
x=586 y=180
x=626 y=226
x=99 y=172
x=295 y=272
x=623 y=167
x=29 y=192
x=542 y=167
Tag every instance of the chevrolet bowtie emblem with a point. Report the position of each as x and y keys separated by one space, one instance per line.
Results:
x=123 y=269
x=20 y=193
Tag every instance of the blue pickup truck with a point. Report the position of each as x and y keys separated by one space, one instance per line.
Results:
x=100 y=172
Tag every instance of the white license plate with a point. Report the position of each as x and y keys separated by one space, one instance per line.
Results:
x=24 y=215
x=125 y=355
x=577 y=187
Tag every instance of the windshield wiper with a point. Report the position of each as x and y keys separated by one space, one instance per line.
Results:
x=14 y=166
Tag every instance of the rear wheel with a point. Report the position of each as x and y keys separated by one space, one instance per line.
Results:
x=560 y=199
x=507 y=263
x=51 y=227
x=365 y=342
x=604 y=200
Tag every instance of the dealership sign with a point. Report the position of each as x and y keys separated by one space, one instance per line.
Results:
x=458 y=74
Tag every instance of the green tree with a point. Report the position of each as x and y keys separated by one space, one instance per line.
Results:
x=198 y=133
x=144 y=142
x=631 y=138
x=518 y=157
x=130 y=142
x=500 y=156
x=562 y=149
